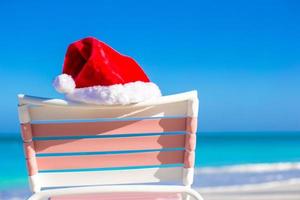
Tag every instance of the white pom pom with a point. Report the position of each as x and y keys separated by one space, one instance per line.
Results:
x=64 y=83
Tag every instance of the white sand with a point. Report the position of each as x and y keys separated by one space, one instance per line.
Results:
x=283 y=190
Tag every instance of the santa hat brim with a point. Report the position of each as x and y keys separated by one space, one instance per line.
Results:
x=128 y=93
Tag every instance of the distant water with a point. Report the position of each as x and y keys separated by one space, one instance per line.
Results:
x=222 y=159
x=219 y=149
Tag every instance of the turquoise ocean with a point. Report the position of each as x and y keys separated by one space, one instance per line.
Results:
x=222 y=159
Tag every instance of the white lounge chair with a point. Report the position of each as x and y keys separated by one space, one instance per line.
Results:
x=80 y=151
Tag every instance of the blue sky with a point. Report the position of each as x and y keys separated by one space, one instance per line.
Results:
x=243 y=57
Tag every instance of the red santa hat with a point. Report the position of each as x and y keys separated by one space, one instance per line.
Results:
x=95 y=73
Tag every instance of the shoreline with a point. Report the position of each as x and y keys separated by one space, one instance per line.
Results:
x=261 y=181
x=277 y=190
x=251 y=187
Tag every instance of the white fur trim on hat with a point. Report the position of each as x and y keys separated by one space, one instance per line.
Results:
x=116 y=94
x=64 y=83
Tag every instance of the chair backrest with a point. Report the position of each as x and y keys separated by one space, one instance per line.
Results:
x=69 y=144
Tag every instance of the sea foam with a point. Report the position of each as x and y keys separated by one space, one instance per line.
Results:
x=246 y=174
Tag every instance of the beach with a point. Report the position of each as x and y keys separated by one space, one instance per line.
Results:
x=288 y=190
x=281 y=190
x=245 y=166
x=192 y=93
x=278 y=181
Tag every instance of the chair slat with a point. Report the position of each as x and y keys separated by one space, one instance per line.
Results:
x=110 y=160
x=110 y=127
x=149 y=175
x=109 y=144
x=72 y=113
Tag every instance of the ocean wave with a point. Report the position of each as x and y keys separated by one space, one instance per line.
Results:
x=283 y=185
x=260 y=168
x=246 y=174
